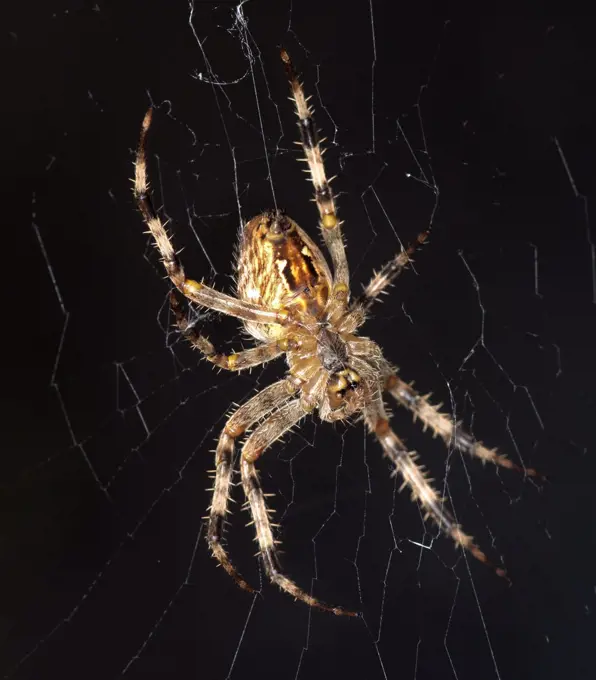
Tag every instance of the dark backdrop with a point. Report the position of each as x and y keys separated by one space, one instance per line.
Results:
x=483 y=125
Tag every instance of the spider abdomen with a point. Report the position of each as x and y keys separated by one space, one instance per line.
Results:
x=279 y=266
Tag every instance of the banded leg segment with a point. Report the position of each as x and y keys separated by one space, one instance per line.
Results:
x=329 y=221
x=255 y=409
x=385 y=277
x=414 y=477
x=237 y=361
x=443 y=426
x=193 y=290
x=278 y=423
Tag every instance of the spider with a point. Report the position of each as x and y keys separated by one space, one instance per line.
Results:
x=293 y=304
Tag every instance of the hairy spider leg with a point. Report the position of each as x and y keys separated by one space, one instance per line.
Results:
x=236 y=361
x=414 y=476
x=329 y=222
x=278 y=423
x=251 y=412
x=443 y=426
x=385 y=277
x=193 y=290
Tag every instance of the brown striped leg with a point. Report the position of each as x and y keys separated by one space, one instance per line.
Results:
x=443 y=426
x=414 y=477
x=193 y=290
x=384 y=278
x=329 y=222
x=237 y=361
x=255 y=409
x=278 y=423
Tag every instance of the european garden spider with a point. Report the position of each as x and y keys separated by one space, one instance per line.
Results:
x=292 y=304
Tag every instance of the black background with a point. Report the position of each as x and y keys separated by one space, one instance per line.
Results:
x=105 y=452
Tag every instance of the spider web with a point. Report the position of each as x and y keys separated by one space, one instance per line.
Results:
x=481 y=130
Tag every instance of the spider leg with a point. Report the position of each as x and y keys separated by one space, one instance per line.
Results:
x=330 y=224
x=443 y=426
x=415 y=478
x=193 y=290
x=385 y=277
x=254 y=409
x=279 y=422
x=237 y=361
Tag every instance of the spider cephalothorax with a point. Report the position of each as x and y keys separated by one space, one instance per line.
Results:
x=325 y=367
x=293 y=304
